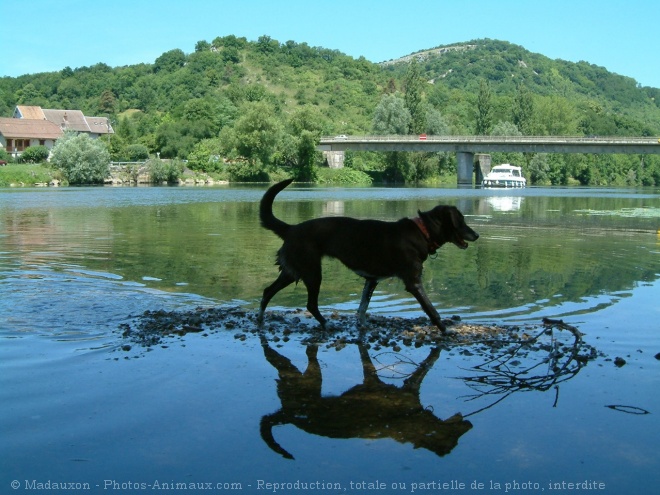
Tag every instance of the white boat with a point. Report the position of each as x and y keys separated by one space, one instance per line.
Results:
x=504 y=175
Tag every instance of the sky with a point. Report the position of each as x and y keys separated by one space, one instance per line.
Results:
x=49 y=35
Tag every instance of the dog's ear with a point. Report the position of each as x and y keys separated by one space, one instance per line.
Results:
x=428 y=217
x=456 y=217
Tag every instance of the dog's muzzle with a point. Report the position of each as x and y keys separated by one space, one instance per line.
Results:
x=461 y=241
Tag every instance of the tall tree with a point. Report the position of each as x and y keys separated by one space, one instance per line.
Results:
x=107 y=102
x=392 y=117
x=414 y=85
x=523 y=109
x=484 y=109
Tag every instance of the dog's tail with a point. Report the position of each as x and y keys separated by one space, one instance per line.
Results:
x=266 y=216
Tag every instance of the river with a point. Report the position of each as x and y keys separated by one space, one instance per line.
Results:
x=218 y=401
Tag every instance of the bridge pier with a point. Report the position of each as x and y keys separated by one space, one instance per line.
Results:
x=464 y=167
x=481 y=168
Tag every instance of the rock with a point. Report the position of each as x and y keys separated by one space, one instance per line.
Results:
x=619 y=361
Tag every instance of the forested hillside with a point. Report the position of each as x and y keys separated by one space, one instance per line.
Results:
x=247 y=109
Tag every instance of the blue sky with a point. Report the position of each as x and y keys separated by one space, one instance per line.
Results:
x=46 y=35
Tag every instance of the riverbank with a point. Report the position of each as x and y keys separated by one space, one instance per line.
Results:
x=28 y=175
x=42 y=175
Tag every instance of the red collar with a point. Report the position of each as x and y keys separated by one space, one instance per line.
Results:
x=433 y=246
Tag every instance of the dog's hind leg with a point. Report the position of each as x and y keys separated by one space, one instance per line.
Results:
x=369 y=287
x=416 y=289
x=284 y=280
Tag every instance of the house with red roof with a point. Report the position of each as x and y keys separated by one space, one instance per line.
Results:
x=34 y=126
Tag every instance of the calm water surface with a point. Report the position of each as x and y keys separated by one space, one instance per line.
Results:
x=77 y=264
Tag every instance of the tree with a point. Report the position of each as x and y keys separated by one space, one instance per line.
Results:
x=523 y=109
x=206 y=156
x=554 y=116
x=436 y=124
x=297 y=149
x=391 y=86
x=267 y=45
x=484 y=109
x=107 y=102
x=539 y=169
x=298 y=152
x=202 y=46
x=170 y=61
x=252 y=141
x=29 y=94
x=391 y=116
x=136 y=152
x=507 y=129
x=413 y=98
x=83 y=160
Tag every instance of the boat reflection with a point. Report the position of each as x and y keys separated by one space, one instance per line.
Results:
x=505 y=203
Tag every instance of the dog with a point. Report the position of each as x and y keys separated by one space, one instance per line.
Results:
x=373 y=249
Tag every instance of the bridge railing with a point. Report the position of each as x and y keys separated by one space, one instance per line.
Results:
x=491 y=139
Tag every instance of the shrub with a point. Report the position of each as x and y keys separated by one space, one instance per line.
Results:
x=164 y=171
x=4 y=156
x=83 y=160
x=34 y=154
x=243 y=171
x=344 y=176
x=136 y=153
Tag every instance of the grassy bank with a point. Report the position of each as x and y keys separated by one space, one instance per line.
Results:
x=27 y=175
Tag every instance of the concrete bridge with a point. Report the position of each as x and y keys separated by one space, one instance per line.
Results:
x=466 y=147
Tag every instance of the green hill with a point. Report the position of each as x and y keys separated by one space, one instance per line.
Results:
x=246 y=108
x=604 y=103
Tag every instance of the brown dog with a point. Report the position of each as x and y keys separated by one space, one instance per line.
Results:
x=373 y=249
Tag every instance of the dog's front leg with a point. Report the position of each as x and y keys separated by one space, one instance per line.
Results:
x=417 y=290
x=312 y=281
x=369 y=287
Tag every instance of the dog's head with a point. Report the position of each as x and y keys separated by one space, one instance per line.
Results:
x=447 y=224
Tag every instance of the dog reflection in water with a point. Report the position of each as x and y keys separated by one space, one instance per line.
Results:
x=370 y=410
